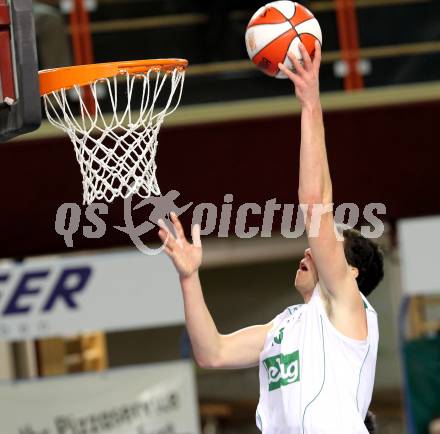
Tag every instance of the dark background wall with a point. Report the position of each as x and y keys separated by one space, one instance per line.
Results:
x=381 y=154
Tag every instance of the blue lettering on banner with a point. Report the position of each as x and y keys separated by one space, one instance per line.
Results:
x=70 y=282
x=24 y=289
x=62 y=289
x=3 y=278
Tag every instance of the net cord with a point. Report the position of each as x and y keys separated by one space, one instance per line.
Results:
x=117 y=155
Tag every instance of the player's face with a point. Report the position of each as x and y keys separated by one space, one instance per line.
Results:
x=307 y=275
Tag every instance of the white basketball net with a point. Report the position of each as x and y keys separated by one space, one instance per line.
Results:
x=116 y=152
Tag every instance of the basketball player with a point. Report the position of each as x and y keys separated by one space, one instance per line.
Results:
x=317 y=360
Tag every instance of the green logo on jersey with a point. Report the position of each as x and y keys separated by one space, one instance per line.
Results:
x=279 y=338
x=282 y=369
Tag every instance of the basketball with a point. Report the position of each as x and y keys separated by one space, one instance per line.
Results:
x=277 y=28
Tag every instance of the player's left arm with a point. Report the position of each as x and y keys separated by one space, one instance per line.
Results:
x=315 y=191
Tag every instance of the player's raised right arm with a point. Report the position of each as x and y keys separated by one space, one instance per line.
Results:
x=211 y=349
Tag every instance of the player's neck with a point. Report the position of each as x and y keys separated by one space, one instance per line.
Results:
x=307 y=297
x=306 y=294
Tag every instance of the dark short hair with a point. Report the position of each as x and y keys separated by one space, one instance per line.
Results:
x=366 y=256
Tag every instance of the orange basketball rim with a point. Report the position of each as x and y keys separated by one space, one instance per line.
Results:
x=52 y=80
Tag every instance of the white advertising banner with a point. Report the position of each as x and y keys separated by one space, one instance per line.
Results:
x=68 y=295
x=419 y=249
x=152 y=399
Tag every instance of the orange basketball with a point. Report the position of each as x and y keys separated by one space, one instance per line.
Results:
x=277 y=28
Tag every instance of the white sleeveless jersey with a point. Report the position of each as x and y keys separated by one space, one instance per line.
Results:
x=313 y=379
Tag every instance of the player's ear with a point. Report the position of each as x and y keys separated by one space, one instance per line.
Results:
x=354 y=271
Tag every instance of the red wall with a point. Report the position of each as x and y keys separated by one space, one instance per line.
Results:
x=385 y=154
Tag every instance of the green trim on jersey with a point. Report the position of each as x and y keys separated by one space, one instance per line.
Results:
x=360 y=373
x=323 y=380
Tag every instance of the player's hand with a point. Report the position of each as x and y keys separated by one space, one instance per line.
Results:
x=186 y=257
x=306 y=76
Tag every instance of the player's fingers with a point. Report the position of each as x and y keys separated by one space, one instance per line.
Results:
x=163 y=226
x=295 y=78
x=179 y=228
x=167 y=238
x=306 y=57
x=163 y=235
x=286 y=71
x=195 y=233
x=317 y=57
x=168 y=251
x=283 y=68
x=297 y=65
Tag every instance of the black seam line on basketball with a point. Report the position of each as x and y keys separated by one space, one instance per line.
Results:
x=270 y=42
x=266 y=24
x=281 y=12
x=302 y=22
x=297 y=36
x=286 y=18
x=307 y=33
x=287 y=55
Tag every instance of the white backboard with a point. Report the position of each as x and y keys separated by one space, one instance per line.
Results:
x=419 y=248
